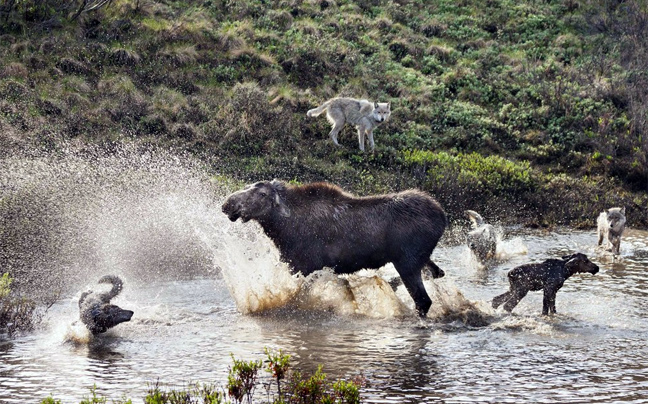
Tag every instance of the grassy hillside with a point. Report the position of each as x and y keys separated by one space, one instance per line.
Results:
x=525 y=109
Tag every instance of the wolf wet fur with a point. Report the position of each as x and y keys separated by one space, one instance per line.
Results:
x=482 y=238
x=95 y=309
x=610 y=227
x=548 y=276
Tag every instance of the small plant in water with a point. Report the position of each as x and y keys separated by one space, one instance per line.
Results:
x=241 y=383
x=242 y=378
x=277 y=365
x=94 y=399
x=196 y=393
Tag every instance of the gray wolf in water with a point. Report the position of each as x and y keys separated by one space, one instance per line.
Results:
x=547 y=276
x=611 y=224
x=319 y=225
x=95 y=309
x=482 y=239
x=363 y=114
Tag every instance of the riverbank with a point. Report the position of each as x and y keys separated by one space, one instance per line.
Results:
x=522 y=111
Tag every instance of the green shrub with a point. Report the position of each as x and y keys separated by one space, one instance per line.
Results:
x=16 y=314
x=491 y=175
x=243 y=380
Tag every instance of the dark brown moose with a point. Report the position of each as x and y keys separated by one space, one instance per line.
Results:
x=319 y=225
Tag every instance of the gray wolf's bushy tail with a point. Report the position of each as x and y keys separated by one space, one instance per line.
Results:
x=475 y=218
x=117 y=286
x=317 y=111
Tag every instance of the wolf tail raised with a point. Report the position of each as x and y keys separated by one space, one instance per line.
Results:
x=317 y=111
x=475 y=218
x=117 y=286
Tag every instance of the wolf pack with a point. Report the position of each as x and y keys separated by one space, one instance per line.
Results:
x=550 y=275
x=98 y=314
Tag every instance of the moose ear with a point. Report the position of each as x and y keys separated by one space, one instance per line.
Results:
x=279 y=188
x=284 y=210
x=568 y=257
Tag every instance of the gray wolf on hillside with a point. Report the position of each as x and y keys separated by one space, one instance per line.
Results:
x=482 y=239
x=547 y=276
x=363 y=114
x=611 y=224
x=95 y=309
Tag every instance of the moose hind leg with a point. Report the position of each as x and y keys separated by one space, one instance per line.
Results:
x=434 y=269
x=410 y=274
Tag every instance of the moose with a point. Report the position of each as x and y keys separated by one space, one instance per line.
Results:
x=319 y=225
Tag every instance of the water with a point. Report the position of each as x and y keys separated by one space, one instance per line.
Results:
x=203 y=288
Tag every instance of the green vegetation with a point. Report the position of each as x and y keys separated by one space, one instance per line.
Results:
x=16 y=313
x=243 y=380
x=495 y=103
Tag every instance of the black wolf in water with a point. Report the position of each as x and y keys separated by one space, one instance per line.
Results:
x=95 y=309
x=548 y=276
x=318 y=225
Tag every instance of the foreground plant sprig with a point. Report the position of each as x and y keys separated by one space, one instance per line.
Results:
x=242 y=381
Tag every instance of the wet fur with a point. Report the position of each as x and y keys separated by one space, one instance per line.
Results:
x=611 y=224
x=548 y=276
x=482 y=239
x=363 y=114
x=95 y=309
x=319 y=225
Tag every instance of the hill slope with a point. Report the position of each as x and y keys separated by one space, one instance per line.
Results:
x=518 y=109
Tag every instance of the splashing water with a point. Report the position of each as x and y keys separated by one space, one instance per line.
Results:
x=155 y=219
x=251 y=266
x=149 y=215
x=508 y=248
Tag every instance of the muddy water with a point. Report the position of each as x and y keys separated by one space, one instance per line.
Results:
x=231 y=295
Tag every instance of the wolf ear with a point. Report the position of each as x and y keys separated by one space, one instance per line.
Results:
x=375 y=105
x=623 y=210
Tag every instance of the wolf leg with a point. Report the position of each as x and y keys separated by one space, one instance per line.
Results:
x=336 y=117
x=361 y=137
x=514 y=299
x=498 y=300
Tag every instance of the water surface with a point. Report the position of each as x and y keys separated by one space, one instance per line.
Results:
x=203 y=288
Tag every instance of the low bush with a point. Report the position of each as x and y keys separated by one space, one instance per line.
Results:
x=17 y=314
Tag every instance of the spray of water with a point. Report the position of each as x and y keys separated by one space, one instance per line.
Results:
x=150 y=216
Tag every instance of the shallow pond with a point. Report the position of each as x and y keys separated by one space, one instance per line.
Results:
x=204 y=288
x=594 y=350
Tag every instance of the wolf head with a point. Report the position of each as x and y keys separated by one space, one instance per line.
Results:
x=382 y=111
x=616 y=218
